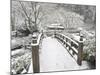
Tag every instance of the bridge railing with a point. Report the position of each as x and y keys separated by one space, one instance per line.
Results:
x=74 y=48
x=35 y=52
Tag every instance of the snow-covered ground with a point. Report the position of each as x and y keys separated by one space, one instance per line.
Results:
x=54 y=57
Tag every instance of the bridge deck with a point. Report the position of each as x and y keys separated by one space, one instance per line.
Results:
x=54 y=57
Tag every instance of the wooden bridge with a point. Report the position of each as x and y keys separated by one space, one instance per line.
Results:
x=58 y=53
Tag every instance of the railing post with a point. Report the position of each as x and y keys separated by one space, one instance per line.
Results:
x=80 y=51
x=35 y=59
x=35 y=56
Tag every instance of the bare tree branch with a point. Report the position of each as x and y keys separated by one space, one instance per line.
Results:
x=32 y=6
x=38 y=12
x=23 y=9
x=40 y=19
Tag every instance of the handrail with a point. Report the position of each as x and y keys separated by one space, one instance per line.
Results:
x=76 y=47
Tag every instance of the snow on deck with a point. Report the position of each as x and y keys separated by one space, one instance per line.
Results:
x=54 y=57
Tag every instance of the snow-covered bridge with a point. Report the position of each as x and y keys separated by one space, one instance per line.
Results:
x=53 y=56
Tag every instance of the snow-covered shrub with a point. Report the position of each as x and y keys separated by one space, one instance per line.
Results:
x=89 y=51
x=21 y=63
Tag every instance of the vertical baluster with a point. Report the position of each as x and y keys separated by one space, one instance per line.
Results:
x=55 y=35
x=71 y=43
x=63 y=40
x=60 y=37
x=66 y=42
x=73 y=53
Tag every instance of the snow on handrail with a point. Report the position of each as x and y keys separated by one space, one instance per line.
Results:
x=38 y=40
